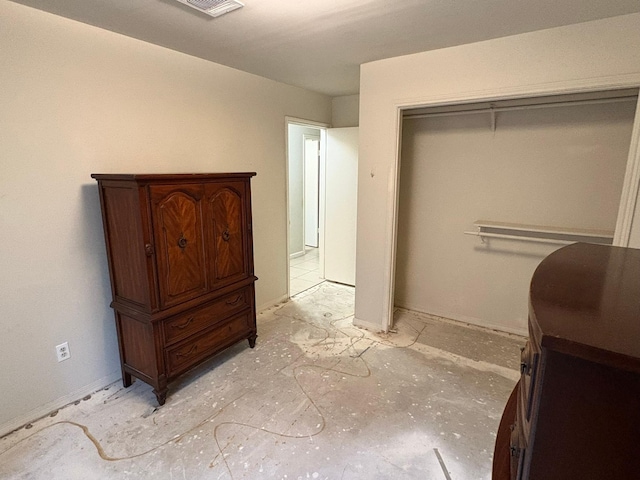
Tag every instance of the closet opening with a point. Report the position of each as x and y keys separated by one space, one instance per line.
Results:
x=521 y=178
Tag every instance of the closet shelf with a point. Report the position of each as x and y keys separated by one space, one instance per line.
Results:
x=540 y=233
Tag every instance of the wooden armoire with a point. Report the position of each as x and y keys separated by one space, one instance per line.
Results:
x=180 y=254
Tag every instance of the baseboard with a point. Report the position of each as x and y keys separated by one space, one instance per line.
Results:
x=272 y=303
x=47 y=408
x=372 y=327
x=469 y=320
x=296 y=255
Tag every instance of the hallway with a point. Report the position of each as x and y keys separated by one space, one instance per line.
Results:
x=304 y=271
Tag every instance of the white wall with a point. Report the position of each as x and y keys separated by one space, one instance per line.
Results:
x=296 y=185
x=559 y=166
x=587 y=55
x=345 y=111
x=74 y=100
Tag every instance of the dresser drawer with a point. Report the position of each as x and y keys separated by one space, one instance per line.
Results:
x=183 y=356
x=187 y=324
x=528 y=369
x=517 y=451
x=523 y=424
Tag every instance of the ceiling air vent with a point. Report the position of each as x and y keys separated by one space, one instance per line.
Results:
x=215 y=8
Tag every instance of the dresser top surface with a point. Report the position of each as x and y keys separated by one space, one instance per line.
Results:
x=585 y=299
x=173 y=177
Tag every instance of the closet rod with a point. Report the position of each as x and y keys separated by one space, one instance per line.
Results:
x=524 y=107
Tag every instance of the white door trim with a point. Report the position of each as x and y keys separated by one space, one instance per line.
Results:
x=305 y=137
x=630 y=187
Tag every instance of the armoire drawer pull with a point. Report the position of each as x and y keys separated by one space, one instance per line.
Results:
x=183 y=325
x=182 y=242
x=191 y=351
x=235 y=301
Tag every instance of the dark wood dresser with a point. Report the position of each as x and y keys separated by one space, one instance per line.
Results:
x=575 y=413
x=180 y=254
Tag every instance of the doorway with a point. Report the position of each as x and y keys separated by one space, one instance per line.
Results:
x=304 y=171
x=322 y=168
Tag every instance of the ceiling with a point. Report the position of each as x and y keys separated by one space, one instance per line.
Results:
x=320 y=44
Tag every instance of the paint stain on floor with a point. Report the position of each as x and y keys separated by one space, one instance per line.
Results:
x=317 y=398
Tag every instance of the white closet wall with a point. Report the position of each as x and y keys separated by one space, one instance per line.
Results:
x=561 y=166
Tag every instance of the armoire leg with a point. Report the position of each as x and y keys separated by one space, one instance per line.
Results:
x=126 y=379
x=161 y=396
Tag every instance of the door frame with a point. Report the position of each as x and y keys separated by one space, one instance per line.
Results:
x=322 y=127
x=305 y=137
x=631 y=185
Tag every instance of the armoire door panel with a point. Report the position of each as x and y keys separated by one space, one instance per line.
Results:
x=226 y=223
x=180 y=256
x=124 y=234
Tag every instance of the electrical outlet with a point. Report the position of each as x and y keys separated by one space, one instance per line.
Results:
x=62 y=351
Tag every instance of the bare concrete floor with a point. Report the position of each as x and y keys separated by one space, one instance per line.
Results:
x=316 y=399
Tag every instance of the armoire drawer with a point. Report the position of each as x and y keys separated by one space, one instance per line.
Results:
x=181 y=357
x=190 y=323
